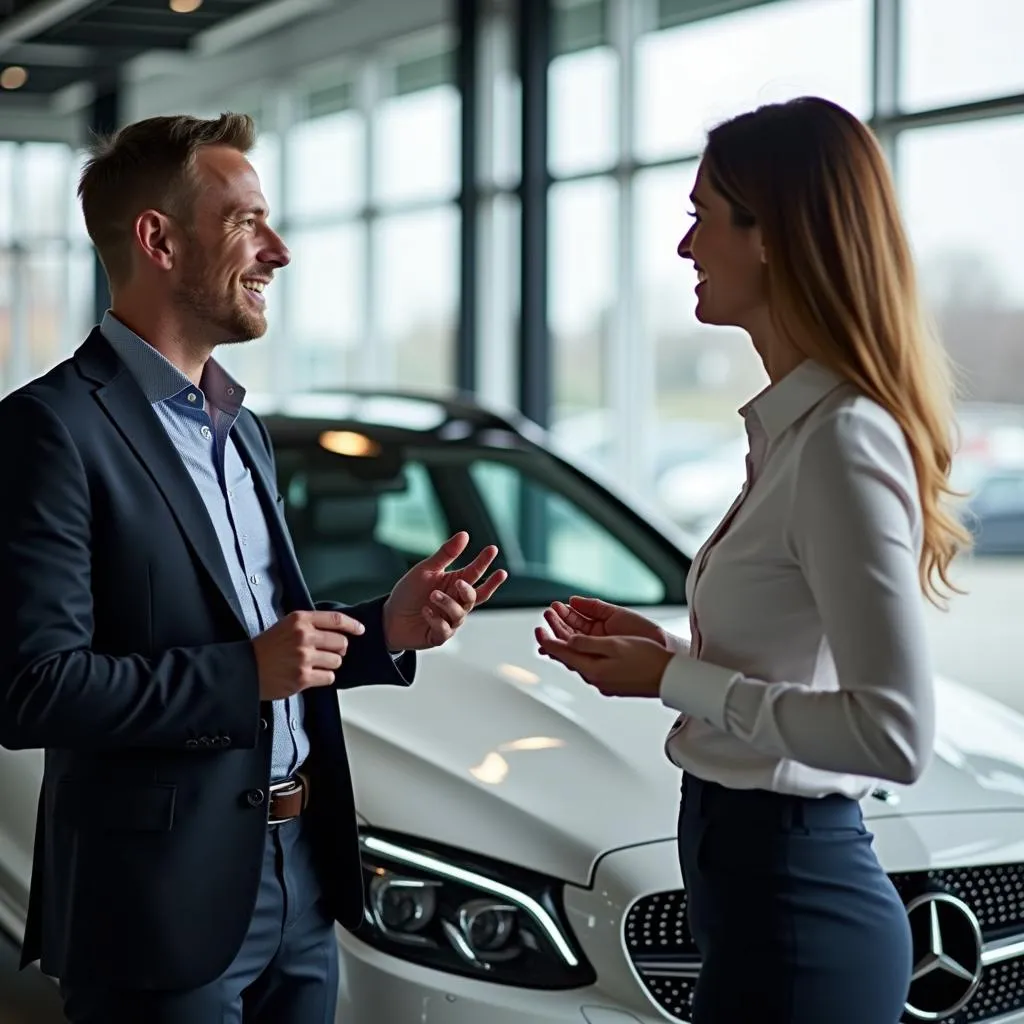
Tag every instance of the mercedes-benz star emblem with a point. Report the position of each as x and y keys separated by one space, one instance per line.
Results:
x=947 y=956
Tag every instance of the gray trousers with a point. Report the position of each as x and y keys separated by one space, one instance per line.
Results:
x=285 y=973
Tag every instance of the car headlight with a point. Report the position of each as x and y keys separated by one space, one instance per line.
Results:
x=463 y=914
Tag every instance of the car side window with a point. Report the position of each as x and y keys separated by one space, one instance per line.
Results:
x=357 y=527
x=412 y=520
x=546 y=536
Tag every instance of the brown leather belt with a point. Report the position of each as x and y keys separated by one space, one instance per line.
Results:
x=288 y=798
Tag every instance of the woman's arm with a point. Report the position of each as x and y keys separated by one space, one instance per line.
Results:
x=852 y=526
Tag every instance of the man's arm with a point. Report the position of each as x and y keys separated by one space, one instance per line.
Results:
x=55 y=691
x=368 y=661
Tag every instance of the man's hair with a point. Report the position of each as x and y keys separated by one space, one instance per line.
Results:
x=149 y=165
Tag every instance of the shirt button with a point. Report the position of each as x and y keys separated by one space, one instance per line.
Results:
x=231 y=391
x=207 y=433
x=192 y=396
x=254 y=580
x=295 y=723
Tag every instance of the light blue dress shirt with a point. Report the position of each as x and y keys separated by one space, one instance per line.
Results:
x=198 y=420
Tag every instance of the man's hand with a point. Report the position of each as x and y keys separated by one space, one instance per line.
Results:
x=429 y=603
x=301 y=650
x=590 y=616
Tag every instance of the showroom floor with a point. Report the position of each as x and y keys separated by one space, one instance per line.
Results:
x=26 y=997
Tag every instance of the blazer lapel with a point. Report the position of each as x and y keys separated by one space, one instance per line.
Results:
x=122 y=400
x=254 y=454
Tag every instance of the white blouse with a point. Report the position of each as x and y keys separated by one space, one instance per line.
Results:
x=808 y=670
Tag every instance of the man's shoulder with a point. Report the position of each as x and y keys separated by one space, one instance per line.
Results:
x=60 y=388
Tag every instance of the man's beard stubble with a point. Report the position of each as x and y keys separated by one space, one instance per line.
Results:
x=229 y=316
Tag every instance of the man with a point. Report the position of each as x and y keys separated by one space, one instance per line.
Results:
x=196 y=835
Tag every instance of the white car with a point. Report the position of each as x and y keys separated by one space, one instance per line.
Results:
x=518 y=829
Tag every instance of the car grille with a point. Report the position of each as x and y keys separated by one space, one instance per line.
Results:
x=995 y=894
x=667 y=962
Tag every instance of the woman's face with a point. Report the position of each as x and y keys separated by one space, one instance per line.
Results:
x=729 y=261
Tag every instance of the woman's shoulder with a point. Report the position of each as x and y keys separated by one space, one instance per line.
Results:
x=849 y=429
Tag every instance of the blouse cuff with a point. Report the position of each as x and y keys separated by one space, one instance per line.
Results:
x=697 y=689
x=677 y=644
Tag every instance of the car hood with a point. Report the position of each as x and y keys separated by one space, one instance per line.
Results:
x=499 y=751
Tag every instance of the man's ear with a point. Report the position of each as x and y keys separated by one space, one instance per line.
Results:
x=155 y=237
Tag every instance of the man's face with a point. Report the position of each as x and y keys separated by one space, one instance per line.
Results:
x=230 y=252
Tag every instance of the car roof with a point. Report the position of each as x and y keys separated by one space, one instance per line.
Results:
x=411 y=417
x=398 y=415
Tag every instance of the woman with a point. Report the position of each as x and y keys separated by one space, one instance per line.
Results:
x=807 y=675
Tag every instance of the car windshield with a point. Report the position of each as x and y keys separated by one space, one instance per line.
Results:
x=360 y=518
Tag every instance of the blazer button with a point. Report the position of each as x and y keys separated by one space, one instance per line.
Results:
x=225 y=741
x=191 y=744
x=255 y=798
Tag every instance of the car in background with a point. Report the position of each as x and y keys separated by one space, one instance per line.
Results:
x=518 y=830
x=995 y=511
x=989 y=470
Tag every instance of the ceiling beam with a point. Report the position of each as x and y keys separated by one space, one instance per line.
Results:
x=261 y=20
x=36 y=19
x=49 y=55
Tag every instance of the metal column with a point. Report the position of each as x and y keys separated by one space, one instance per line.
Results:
x=885 y=72
x=104 y=119
x=535 y=363
x=468 y=78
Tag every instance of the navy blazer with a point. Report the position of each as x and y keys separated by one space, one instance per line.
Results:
x=124 y=654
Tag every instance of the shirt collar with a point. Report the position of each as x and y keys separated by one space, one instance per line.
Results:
x=780 y=405
x=160 y=379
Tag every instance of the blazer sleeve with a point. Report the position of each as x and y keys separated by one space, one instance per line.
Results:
x=55 y=690
x=368 y=661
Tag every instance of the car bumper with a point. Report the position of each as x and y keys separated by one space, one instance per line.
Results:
x=378 y=987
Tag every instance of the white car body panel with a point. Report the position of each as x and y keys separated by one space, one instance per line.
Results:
x=497 y=748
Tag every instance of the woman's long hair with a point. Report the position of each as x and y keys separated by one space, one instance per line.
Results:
x=841 y=282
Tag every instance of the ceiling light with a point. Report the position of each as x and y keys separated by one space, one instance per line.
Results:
x=347 y=442
x=13 y=77
x=185 y=6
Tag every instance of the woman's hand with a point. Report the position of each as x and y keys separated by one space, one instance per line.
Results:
x=617 y=666
x=588 y=616
x=617 y=651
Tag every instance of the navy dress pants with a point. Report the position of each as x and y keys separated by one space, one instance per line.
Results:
x=285 y=973
x=795 y=920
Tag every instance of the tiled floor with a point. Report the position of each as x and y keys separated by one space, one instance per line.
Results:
x=26 y=997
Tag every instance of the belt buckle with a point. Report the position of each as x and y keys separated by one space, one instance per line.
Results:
x=288 y=785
